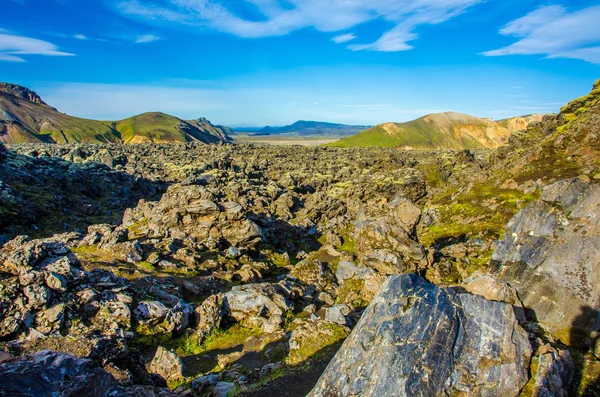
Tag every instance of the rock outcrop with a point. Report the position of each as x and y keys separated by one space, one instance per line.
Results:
x=551 y=254
x=21 y=92
x=419 y=339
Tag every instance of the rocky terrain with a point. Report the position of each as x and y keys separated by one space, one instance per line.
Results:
x=440 y=131
x=25 y=117
x=234 y=270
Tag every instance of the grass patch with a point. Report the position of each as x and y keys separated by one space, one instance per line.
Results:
x=314 y=346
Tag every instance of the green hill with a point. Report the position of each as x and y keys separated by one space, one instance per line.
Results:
x=435 y=131
x=24 y=117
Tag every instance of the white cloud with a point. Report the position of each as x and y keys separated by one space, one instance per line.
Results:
x=555 y=32
x=279 y=17
x=12 y=47
x=343 y=38
x=146 y=38
x=80 y=37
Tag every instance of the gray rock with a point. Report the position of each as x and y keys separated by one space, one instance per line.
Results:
x=166 y=364
x=50 y=374
x=554 y=372
x=210 y=314
x=551 y=254
x=419 y=339
x=334 y=315
x=347 y=270
x=222 y=389
x=56 y=282
x=258 y=305
x=150 y=312
x=179 y=318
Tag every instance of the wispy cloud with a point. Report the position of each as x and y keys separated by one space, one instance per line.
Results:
x=279 y=17
x=555 y=32
x=80 y=36
x=146 y=38
x=343 y=38
x=13 y=47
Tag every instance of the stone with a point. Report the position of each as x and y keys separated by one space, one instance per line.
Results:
x=4 y=356
x=210 y=314
x=551 y=254
x=204 y=383
x=408 y=214
x=419 y=339
x=37 y=295
x=347 y=270
x=151 y=312
x=554 y=372
x=179 y=318
x=334 y=315
x=166 y=364
x=56 y=282
x=51 y=319
x=223 y=389
x=49 y=374
x=258 y=305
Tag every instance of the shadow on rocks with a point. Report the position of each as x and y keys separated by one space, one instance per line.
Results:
x=41 y=196
x=585 y=343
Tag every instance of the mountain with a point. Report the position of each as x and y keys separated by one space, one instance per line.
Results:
x=303 y=128
x=438 y=131
x=515 y=124
x=25 y=117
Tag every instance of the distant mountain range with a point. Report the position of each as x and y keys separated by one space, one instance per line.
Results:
x=307 y=128
x=440 y=131
x=25 y=117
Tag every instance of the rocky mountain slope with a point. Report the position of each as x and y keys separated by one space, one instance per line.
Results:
x=219 y=270
x=439 y=131
x=24 y=117
x=308 y=128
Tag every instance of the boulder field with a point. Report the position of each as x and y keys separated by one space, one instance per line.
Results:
x=239 y=270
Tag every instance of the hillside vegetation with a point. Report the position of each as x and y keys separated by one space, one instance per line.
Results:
x=25 y=118
x=436 y=131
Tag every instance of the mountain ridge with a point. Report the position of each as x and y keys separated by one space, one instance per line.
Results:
x=25 y=117
x=309 y=127
x=449 y=130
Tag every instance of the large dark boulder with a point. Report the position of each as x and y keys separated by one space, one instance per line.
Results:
x=418 y=339
x=2 y=152
x=551 y=254
x=54 y=374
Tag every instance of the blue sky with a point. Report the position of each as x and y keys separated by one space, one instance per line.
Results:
x=277 y=61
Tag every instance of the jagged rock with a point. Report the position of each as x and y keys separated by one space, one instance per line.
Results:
x=347 y=270
x=222 y=389
x=210 y=314
x=554 y=372
x=178 y=319
x=51 y=319
x=258 y=305
x=550 y=254
x=494 y=290
x=311 y=272
x=151 y=312
x=166 y=364
x=408 y=214
x=54 y=374
x=385 y=245
x=419 y=339
x=335 y=314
